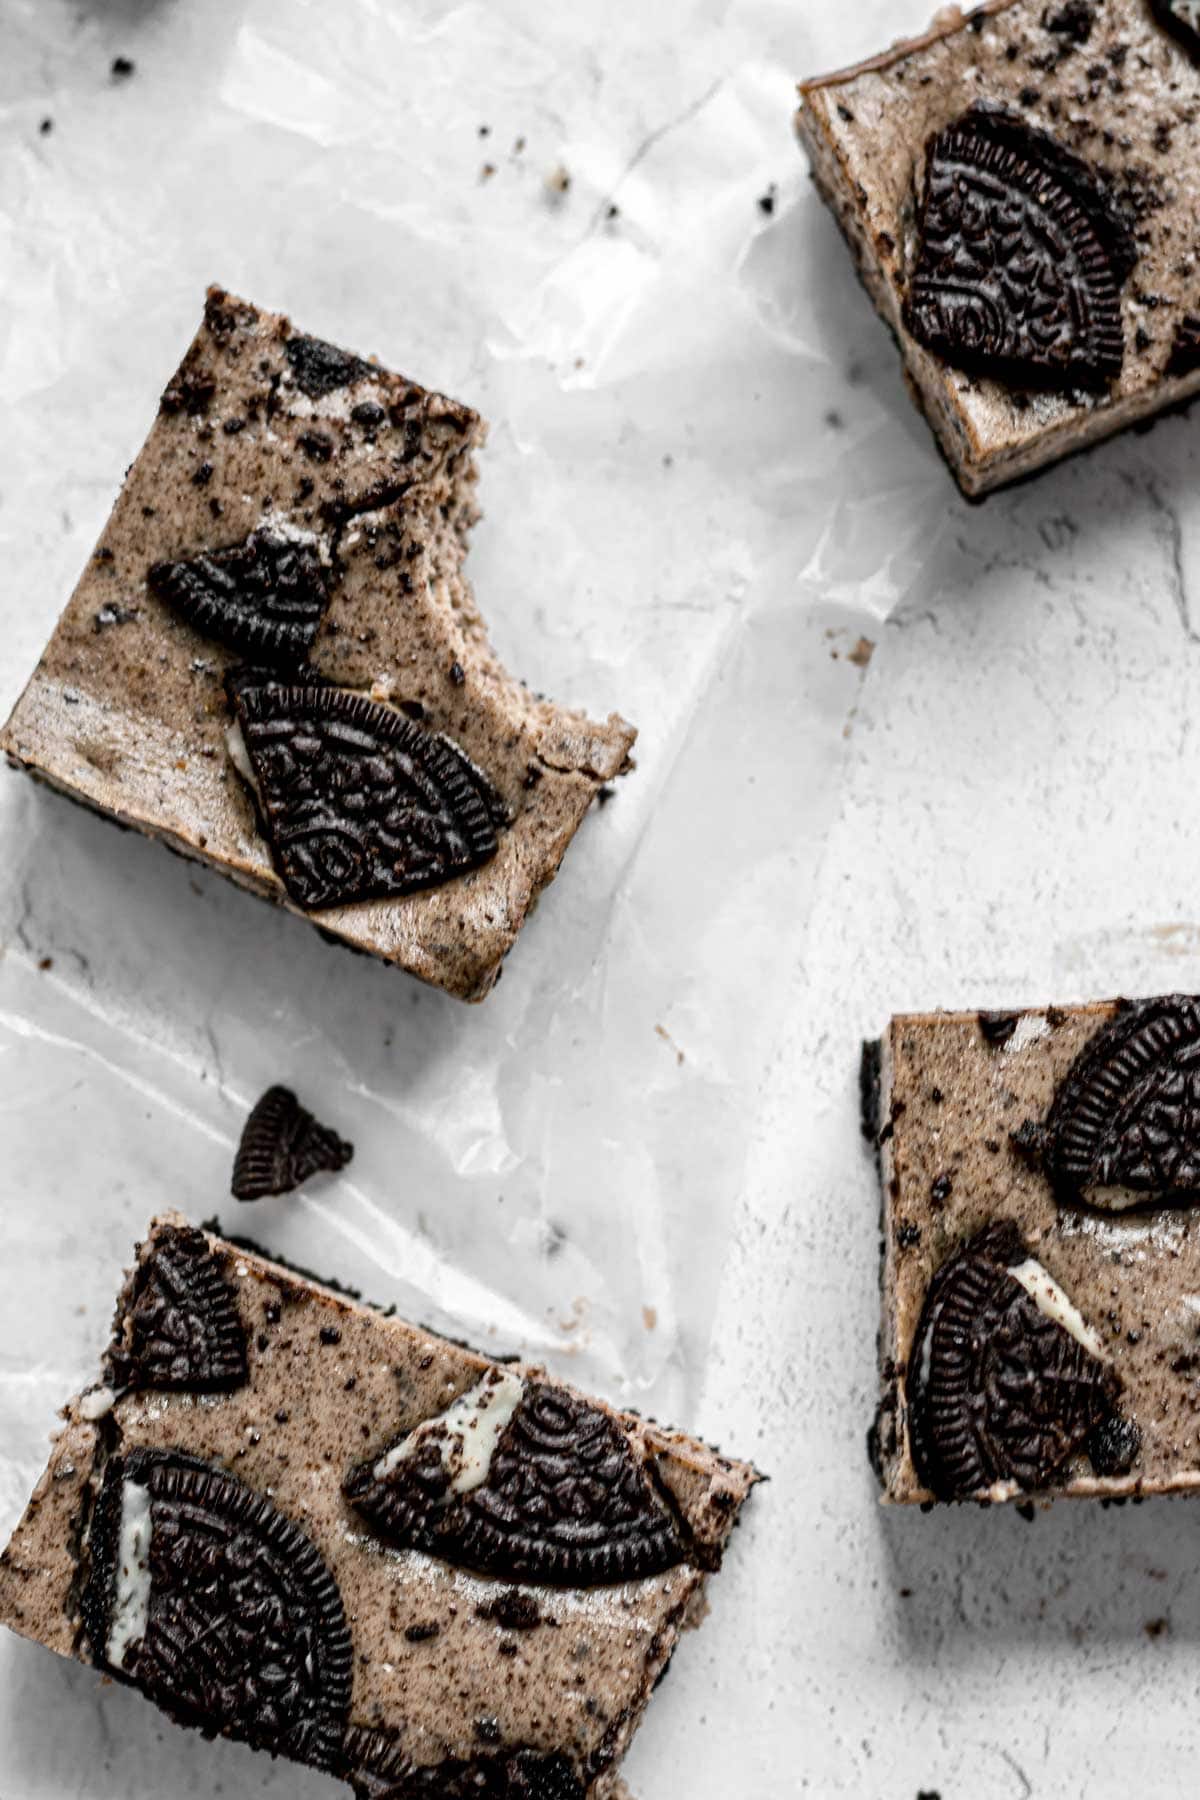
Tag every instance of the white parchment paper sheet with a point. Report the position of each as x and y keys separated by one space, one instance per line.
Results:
x=639 y=1159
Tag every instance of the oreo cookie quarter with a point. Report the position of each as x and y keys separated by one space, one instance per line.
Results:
x=218 y=1607
x=282 y=1145
x=1022 y=258
x=1123 y=1129
x=1005 y=1379
x=181 y=1327
x=265 y=596
x=522 y=1480
x=358 y=802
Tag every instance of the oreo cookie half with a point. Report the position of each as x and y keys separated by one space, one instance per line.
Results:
x=357 y=801
x=1124 y=1126
x=282 y=1145
x=182 y=1328
x=217 y=1607
x=265 y=596
x=377 y=1769
x=1022 y=258
x=1005 y=1378
x=522 y=1480
x=1182 y=19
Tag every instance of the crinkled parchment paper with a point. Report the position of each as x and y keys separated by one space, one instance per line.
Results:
x=705 y=494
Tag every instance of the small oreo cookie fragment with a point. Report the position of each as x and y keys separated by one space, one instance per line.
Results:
x=217 y=1606
x=1022 y=258
x=359 y=802
x=377 y=1768
x=319 y=368
x=282 y=1144
x=1123 y=1129
x=1182 y=19
x=1005 y=1379
x=522 y=1480
x=265 y=596
x=179 y=1327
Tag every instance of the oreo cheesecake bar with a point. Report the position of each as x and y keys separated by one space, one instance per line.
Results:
x=291 y=1520
x=1041 y=1251
x=273 y=661
x=1020 y=189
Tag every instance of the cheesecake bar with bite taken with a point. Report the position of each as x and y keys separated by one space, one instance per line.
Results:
x=273 y=662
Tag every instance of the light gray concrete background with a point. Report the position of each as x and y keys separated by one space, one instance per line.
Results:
x=705 y=485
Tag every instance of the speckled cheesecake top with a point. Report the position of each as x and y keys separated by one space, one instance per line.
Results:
x=303 y=512
x=455 y=1571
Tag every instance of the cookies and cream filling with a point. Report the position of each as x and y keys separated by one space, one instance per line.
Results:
x=130 y=1612
x=466 y=1434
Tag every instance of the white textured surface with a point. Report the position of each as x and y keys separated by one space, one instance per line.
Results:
x=704 y=483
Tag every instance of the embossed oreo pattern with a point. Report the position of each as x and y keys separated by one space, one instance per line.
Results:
x=565 y=1501
x=1021 y=262
x=245 y=1632
x=1124 y=1126
x=997 y=1391
x=181 y=1328
x=358 y=802
x=265 y=596
x=377 y=1768
x=282 y=1145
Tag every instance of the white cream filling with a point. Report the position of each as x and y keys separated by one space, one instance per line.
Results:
x=239 y=756
x=130 y=1611
x=466 y=1434
x=1115 y=1199
x=1030 y=1028
x=1049 y=1299
x=96 y=1404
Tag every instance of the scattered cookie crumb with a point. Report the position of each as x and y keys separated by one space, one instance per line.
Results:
x=487 y=171
x=862 y=653
x=123 y=68
x=650 y=1320
x=666 y=1037
x=612 y=211
x=47 y=962
x=485 y=131
x=1155 y=1628
x=558 y=181
x=46 y=127
x=766 y=202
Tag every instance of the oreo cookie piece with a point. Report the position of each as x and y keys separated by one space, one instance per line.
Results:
x=1182 y=19
x=1022 y=259
x=375 y=1765
x=1005 y=1378
x=357 y=801
x=522 y=1480
x=320 y=369
x=1124 y=1127
x=180 y=1327
x=218 y=1607
x=282 y=1144
x=1185 y=350
x=265 y=596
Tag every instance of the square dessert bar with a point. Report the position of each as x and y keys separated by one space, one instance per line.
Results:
x=273 y=661
x=1041 y=1251
x=291 y=1520
x=1020 y=189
